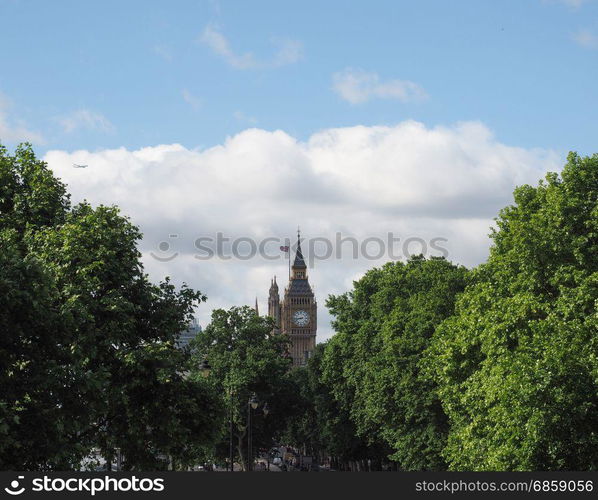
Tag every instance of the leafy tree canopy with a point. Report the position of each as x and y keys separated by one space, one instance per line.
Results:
x=87 y=356
x=246 y=358
x=517 y=366
x=384 y=325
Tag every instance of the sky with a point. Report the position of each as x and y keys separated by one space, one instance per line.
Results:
x=349 y=119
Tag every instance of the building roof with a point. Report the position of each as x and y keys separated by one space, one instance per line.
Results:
x=299 y=286
x=299 y=261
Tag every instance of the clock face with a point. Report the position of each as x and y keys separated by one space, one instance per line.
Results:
x=301 y=318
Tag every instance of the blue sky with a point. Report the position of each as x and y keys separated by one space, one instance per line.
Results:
x=140 y=73
x=350 y=118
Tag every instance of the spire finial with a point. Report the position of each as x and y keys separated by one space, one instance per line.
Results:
x=298 y=233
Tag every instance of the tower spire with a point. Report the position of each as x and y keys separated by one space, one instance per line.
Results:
x=299 y=261
x=257 y=311
x=299 y=269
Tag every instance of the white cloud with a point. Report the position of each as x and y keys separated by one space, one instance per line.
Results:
x=586 y=39
x=85 y=119
x=358 y=86
x=574 y=4
x=12 y=129
x=361 y=181
x=288 y=51
x=242 y=117
x=193 y=101
x=164 y=52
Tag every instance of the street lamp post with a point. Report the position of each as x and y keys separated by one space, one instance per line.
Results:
x=231 y=456
x=230 y=431
x=251 y=404
x=205 y=369
x=266 y=410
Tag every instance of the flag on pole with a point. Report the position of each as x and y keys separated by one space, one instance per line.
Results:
x=287 y=249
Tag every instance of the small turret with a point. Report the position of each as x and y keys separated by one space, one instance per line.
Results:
x=274 y=304
x=273 y=287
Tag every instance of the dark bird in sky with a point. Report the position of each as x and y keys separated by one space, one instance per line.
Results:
x=75 y=165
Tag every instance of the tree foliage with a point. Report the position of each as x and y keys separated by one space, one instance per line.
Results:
x=319 y=425
x=372 y=364
x=87 y=356
x=246 y=358
x=517 y=366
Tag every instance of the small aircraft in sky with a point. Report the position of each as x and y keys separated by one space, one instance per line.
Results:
x=75 y=165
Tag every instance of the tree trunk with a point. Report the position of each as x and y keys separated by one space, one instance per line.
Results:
x=241 y=456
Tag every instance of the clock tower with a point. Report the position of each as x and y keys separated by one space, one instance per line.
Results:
x=296 y=316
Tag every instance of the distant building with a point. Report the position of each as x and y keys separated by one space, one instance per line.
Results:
x=189 y=334
x=296 y=314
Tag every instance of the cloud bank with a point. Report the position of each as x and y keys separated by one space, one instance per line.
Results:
x=363 y=182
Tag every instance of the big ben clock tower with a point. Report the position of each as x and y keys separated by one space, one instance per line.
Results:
x=296 y=316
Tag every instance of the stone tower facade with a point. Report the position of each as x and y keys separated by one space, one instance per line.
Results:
x=296 y=316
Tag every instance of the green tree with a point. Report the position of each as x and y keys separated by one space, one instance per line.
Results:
x=246 y=358
x=30 y=196
x=39 y=401
x=37 y=404
x=517 y=366
x=87 y=356
x=384 y=325
x=319 y=425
